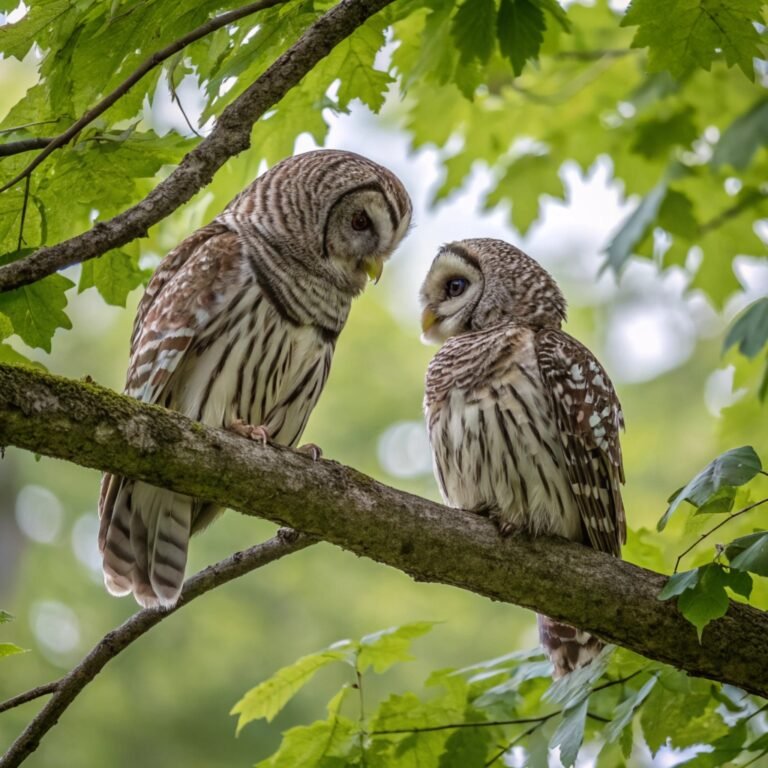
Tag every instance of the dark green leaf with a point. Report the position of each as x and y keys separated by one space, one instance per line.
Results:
x=677 y=217
x=16 y=39
x=750 y=329
x=749 y=553
x=37 y=310
x=732 y=468
x=466 y=747
x=557 y=12
x=679 y=582
x=743 y=137
x=114 y=275
x=570 y=733
x=693 y=34
x=740 y=581
x=707 y=600
x=520 y=29
x=5 y=617
x=654 y=138
x=474 y=29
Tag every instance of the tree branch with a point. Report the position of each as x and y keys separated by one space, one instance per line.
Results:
x=68 y=687
x=615 y=600
x=157 y=58
x=23 y=145
x=230 y=136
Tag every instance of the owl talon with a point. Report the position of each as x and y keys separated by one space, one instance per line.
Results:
x=311 y=450
x=259 y=433
x=506 y=528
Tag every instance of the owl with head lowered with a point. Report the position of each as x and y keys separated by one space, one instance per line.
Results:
x=237 y=329
x=522 y=419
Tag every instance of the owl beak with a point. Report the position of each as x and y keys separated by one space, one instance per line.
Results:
x=374 y=267
x=428 y=319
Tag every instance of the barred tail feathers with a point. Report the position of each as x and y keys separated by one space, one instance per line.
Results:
x=144 y=539
x=568 y=648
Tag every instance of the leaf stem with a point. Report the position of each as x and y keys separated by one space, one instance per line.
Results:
x=703 y=536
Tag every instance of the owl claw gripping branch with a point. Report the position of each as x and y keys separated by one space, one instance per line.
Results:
x=522 y=418
x=238 y=327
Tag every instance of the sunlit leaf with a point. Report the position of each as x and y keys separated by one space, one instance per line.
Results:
x=625 y=711
x=474 y=29
x=268 y=698
x=679 y=582
x=381 y=650
x=10 y=649
x=707 y=600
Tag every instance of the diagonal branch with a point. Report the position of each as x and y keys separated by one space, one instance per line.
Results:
x=230 y=136
x=157 y=58
x=68 y=687
x=23 y=145
x=615 y=600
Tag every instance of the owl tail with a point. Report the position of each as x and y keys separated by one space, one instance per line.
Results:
x=144 y=537
x=568 y=648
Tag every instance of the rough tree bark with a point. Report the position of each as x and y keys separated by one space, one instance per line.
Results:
x=94 y=427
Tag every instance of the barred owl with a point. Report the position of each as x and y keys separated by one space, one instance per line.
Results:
x=523 y=420
x=237 y=329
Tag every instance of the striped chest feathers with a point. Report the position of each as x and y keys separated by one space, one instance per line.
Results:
x=494 y=439
x=254 y=365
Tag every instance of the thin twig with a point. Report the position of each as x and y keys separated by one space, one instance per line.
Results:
x=23 y=145
x=607 y=53
x=67 y=689
x=230 y=136
x=23 y=214
x=519 y=738
x=15 y=128
x=703 y=536
x=749 y=199
x=30 y=695
x=146 y=66
x=361 y=732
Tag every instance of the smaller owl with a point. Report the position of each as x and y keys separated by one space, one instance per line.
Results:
x=522 y=419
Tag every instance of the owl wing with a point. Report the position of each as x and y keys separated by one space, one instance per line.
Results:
x=589 y=417
x=178 y=305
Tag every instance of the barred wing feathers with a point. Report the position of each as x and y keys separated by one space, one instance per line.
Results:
x=589 y=417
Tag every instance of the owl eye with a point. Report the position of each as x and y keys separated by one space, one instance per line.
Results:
x=360 y=221
x=455 y=287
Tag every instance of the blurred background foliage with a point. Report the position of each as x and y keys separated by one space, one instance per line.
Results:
x=642 y=189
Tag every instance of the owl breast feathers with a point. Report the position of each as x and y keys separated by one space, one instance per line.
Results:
x=522 y=418
x=238 y=325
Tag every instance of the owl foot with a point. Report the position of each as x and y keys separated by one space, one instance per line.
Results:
x=311 y=450
x=505 y=526
x=260 y=433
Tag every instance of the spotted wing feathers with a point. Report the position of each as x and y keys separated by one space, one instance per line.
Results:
x=589 y=417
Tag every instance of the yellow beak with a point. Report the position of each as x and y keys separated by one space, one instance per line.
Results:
x=374 y=267
x=428 y=319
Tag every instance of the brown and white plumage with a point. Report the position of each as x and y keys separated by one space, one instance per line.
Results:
x=522 y=418
x=239 y=324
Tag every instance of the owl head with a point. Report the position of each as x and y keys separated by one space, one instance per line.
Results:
x=476 y=284
x=330 y=216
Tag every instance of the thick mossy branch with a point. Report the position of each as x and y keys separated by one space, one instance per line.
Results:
x=95 y=427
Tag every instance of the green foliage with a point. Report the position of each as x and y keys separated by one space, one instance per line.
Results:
x=714 y=488
x=701 y=592
x=459 y=722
